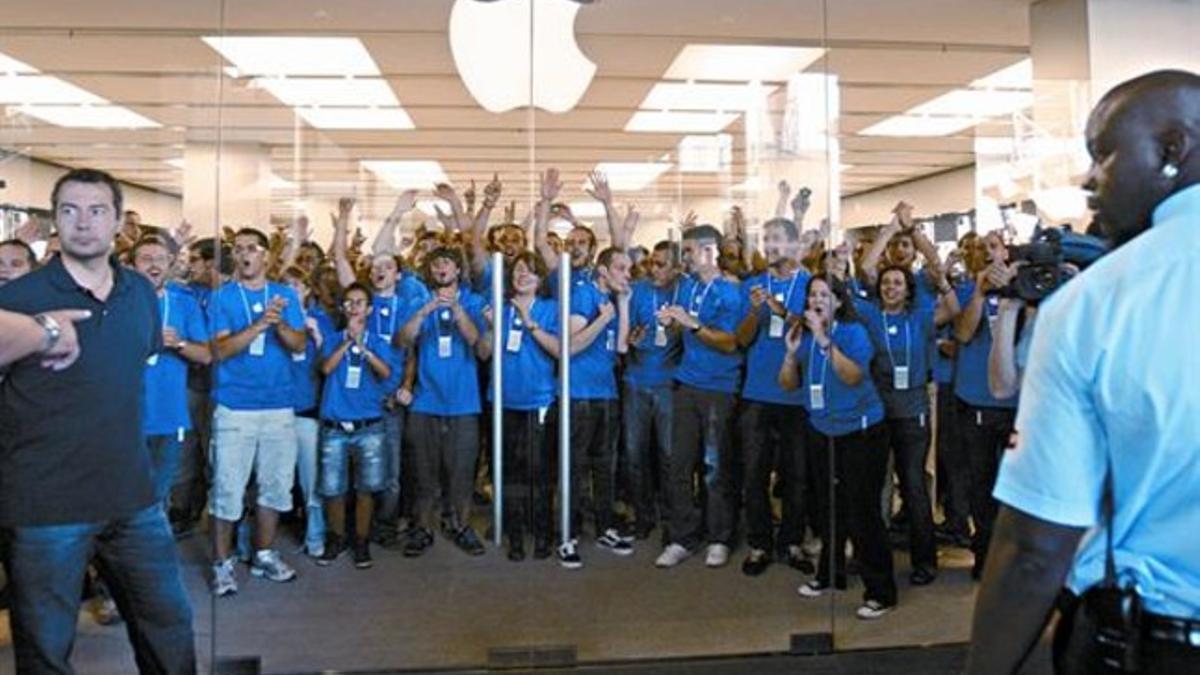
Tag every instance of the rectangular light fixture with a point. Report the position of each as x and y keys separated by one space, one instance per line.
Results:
x=39 y=89
x=176 y=162
x=332 y=91
x=977 y=103
x=89 y=116
x=740 y=63
x=912 y=125
x=274 y=56
x=658 y=121
x=1017 y=76
x=587 y=209
x=707 y=97
x=11 y=65
x=355 y=118
x=631 y=176
x=407 y=174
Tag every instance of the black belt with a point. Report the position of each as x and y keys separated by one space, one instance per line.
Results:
x=1169 y=629
x=352 y=426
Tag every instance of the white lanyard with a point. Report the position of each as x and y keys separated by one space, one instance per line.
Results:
x=887 y=341
x=166 y=311
x=658 y=304
x=812 y=353
x=444 y=314
x=697 y=303
x=791 y=288
x=391 y=320
x=246 y=303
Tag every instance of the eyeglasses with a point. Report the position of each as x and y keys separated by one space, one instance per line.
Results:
x=247 y=250
x=354 y=302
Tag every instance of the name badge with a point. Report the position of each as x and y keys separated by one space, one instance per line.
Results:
x=259 y=346
x=445 y=347
x=777 y=325
x=900 y=378
x=152 y=360
x=353 y=377
x=610 y=340
x=816 y=396
x=298 y=357
x=660 y=335
x=514 y=340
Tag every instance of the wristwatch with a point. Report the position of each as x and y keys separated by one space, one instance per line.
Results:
x=53 y=330
x=180 y=345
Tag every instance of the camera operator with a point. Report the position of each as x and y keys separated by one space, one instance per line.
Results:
x=1109 y=430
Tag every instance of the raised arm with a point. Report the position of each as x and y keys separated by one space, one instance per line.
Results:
x=599 y=190
x=341 y=234
x=551 y=185
x=385 y=239
x=869 y=268
x=479 y=226
x=781 y=206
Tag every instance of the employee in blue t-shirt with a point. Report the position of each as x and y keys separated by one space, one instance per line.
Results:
x=165 y=418
x=828 y=358
x=769 y=415
x=650 y=364
x=443 y=420
x=357 y=364
x=708 y=376
x=259 y=324
x=528 y=325
x=902 y=335
x=985 y=422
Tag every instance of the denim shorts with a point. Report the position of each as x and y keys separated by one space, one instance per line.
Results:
x=262 y=442
x=366 y=445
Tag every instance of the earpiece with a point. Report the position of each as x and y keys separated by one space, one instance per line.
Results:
x=1170 y=171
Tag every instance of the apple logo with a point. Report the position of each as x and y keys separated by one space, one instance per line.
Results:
x=494 y=42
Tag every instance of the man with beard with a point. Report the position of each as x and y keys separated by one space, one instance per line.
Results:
x=259 y=324
x=902 y=240
x=75 y=477
x=443 y=422
x=1108 y=430
x=770 y=415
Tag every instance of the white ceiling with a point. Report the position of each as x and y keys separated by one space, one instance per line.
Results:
x=888 y=55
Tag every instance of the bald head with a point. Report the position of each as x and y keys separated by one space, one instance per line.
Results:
x=1144 y=139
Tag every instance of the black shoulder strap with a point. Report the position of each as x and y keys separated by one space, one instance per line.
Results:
x=1106 y=510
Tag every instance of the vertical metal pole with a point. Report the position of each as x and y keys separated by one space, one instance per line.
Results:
x=498 y=397
x=564 y=395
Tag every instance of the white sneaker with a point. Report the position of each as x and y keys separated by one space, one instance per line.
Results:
x=568 y=555
x=672 y=555
x=812 y=589
x=717 y=556
x=223 y=582
x=269 y=565
x=873 y=609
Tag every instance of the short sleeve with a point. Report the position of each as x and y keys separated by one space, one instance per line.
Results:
x=223 y=320
x=1058 y=429
x=293 y=314
x=853 y=341
x=584 y=303
x=549 y=318
x=727 y=310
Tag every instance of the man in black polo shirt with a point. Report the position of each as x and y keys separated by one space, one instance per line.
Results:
x=75 y=476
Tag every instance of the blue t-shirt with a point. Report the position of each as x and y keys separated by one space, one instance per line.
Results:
x=306 y=367
x=165 y=397
x=245 y=381
x=765 y=355
x=971 y=371
x=346 y=397
x=579 y=277
x=593 y=370
x=447 y=379
x=718 y=305
x=904 y=340
x=528 y=374
x=650 y=363
x=846 y=408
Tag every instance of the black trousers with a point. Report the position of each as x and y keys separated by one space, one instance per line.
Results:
x=444 y=454
x=954 y=475
x=595 y=428
x=771 y=443
x=909 y=440
x=851 y=507
x=700 y=442
x=527 y=479
x=985 y=433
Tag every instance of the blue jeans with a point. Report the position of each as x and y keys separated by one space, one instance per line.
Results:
x=308 y=433
x=646 y=414
x=366 y=446
x=135 y=555
x=387 y=509
x=165 y=451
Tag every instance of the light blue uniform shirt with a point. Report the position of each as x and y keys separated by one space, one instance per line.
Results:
x=1114 y=377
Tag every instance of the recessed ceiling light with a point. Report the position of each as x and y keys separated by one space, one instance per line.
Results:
x=38 y=89
x=328 y=91
x=631 y=176
x=355 y=118
x=909 y=125
x=89 y=116
x=407 y=175
x=713 y=97
x=740 y=63
x=295 y=55
x=655 y=121
x=587 y=209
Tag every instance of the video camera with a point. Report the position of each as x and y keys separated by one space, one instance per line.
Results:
x=1053 y=255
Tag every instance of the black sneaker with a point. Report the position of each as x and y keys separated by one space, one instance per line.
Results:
x=419 y=541
x=922 y=576
x=468 y=541
x=516 y=548
x=334 y=548
x=612 y=542
x=756 y=563
x=568 y=555
x=542 y=549
x=362 y=554
x=798 y=561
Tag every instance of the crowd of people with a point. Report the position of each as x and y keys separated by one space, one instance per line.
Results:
x=767 y=395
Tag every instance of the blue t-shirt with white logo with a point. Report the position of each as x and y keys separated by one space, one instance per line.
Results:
x=902 y=340
x=593 y=370
x=971 y=371
x=246 y=381
x=447 y=378
x=846 y=409
x=306 y=366
x=165 y=398
x=718 y=305
x=765 y=355
x=651 y=363
x=350 y=396
x=528 y=372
